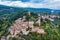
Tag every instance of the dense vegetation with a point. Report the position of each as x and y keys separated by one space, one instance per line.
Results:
x=6 y=21
x=52 y=32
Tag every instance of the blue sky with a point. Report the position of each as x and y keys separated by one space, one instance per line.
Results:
x=52 y=4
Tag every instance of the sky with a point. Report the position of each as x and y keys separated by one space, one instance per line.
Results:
x=52 y=4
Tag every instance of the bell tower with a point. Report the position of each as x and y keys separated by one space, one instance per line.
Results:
x=39 y=19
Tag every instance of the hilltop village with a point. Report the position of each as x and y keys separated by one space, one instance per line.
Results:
x=30 y=22
x=20 y=25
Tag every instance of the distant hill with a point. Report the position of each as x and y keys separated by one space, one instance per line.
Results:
x=2 y=7
x=9 y=9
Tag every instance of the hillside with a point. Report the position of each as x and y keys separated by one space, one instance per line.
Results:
x=27 y=24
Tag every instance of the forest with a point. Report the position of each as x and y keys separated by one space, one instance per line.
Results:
x=7 y=19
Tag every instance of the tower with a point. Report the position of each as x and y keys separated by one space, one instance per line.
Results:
x=29 y=13
x=39 y=19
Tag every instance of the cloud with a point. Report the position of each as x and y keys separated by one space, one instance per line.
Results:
x=52 y=4
x=36 y=1
x=21 y=4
